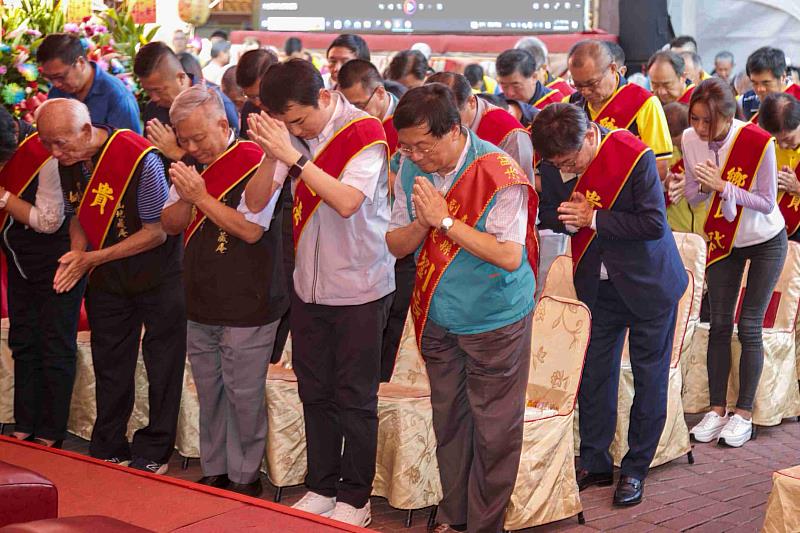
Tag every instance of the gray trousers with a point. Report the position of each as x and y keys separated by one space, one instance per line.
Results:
x=478 y=385
x=229 y=366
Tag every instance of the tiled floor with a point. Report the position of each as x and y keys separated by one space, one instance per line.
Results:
x=725 y=490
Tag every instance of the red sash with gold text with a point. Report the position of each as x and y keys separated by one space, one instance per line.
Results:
x=496 y=125
x=621 y=110
x=467 y=201
x=561 y=86
x=553 y=97
x=110 y=179
x=391 y=134
x=353 y=138
x=604 y=179
x=225 y=173
x=22 y=168
x=740 y=168
x=687 y=94
x=789 y=205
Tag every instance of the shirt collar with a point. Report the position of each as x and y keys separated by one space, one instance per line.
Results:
x=717 y=145
x=96 y=81
x=461 y=159
x=391 y=108
x=328 y=130
x=479 y=112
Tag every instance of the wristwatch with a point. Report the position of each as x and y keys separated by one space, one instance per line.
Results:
x=446 y=224
x=4 y=199
x=297 y=169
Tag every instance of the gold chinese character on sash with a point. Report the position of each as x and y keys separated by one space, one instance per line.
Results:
x=512 y=171
x=446 y=246
x=594 y=199
x=453 y=206
x=794 y=203
x=425 y=269
x=102 y=194
x=715 y=240
x=297 y=213
x=718 y=212
x=416 y=308
x=736 y=176
x=122 y=230
x=608 y=123
x=222 y=241
x=504 y=160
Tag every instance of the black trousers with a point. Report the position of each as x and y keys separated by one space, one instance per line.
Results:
x=116 y=321
x=288 y=271
x=336 y=357
x=404 y=271
x=650 y=344
x=42 y=336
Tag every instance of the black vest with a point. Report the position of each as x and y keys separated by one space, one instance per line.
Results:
x=230 y=282
x=130 y=275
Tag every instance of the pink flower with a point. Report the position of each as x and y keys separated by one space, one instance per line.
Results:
x=71 y=27
x=3 y=70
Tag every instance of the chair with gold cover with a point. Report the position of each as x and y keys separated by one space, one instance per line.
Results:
x=674 y=440
x=559 y=279
x=546 y=490
x=406 y=470
x=777 y=396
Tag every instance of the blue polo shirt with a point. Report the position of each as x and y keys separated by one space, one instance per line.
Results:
x=109 y=101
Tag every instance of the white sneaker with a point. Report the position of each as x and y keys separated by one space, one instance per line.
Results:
x=709 y=427
x=350 y=515
x=736 y=432
x=316 y=504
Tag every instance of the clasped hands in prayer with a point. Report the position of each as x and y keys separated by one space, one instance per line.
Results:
x=577 y=212
x=787 y=181
x=273 y=137
x=163 y=138
x=429 y=204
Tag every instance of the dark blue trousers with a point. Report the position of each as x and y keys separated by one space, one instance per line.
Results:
x=650 y=348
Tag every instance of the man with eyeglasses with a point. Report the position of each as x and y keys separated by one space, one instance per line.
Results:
x=344 y=48
x=627 y=271
x=336 y=157
x=608 y=99
x=466 y=211
x=668 y=78
x=63 y=62
x=163 y=78
x=766 y=68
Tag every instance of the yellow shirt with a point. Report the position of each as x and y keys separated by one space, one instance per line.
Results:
x=650 y=125
x=789 y=158
x=682 y=216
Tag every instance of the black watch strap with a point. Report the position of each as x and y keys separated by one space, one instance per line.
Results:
x=297 y=169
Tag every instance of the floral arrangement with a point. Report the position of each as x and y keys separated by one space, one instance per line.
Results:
x=110 y=39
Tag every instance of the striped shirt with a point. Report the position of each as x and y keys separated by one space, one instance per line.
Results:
x=152 y=191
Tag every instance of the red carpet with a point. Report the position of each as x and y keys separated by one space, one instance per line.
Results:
x=87 y=486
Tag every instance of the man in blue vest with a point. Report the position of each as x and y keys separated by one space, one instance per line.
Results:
x=472 y=298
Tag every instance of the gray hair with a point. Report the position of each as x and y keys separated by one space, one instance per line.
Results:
x=193 y=98
x=724 y=56
x=76 y=111
x=533 y=43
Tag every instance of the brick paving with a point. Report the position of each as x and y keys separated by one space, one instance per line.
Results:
x=725 y=491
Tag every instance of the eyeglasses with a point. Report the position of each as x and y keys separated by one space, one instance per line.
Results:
x=59 y=78
x=256 y=99
x=363 y=106
x=592 y=84
x=405 y=150
x=571 y=163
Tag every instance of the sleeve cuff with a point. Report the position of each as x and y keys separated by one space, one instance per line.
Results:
x=594 y=220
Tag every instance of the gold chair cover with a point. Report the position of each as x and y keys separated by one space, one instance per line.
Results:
x=783 y=506
x=778 y=396
x=6 y=377
x=559 y=279
x=545 y=489
x=406 y=470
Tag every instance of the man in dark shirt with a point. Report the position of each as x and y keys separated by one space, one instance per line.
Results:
x=161 y=75
x=63 y=62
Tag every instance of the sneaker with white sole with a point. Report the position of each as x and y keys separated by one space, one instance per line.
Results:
x=709 y=427
x=736 y=432
x=146 y=465
x=356 y=516
x=316 y=504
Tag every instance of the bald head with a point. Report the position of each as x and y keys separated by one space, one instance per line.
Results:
x=63 y=115
x=589 y=50
x=66 y=131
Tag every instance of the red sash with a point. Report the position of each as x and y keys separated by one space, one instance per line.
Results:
x=789 y=205
x=467 y=200
x=603 y=180
x=22 y=168
x=621 y=110
x=353 y=138
x=740 y=168
x=561 y=86
x=687 y=94
x=391 y=134
x=496 y=125
x=109 y=182
x=553 y=97
x=225 y=173
x=678 y=167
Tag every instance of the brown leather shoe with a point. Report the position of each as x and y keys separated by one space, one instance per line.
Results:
x=586 y=479
x=630 y=491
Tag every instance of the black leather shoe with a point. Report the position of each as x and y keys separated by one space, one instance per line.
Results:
x=629 y=491
x=253 y=489
x=55 y=444
x=587 y=479
x=219 y=482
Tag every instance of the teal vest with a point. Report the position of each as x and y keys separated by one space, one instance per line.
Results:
x=474 y=296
